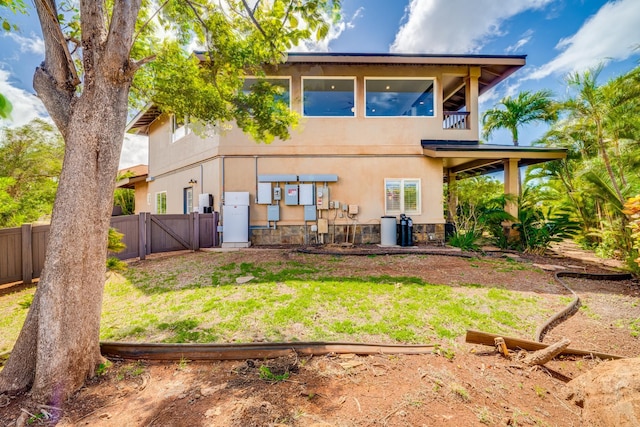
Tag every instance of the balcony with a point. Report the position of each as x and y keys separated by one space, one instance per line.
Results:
x=455 y=120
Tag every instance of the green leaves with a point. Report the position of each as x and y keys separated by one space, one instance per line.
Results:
x=238 y=41
x=30 y=163
x=5 y=107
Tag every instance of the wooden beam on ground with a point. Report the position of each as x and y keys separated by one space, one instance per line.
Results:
x=485 y=338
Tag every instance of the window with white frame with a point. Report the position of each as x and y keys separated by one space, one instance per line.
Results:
x=161 y=202
x=390 y=97
x=402 y=195
x=328 y=97
x=179 y=128
x=282 y=85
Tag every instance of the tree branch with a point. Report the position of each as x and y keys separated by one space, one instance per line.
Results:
x=56 y=99
x=253 y=18
x=136 y=65
x=120 y=39
x=58 y=59
x=153 y=15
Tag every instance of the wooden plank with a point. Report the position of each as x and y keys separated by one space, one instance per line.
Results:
x=170 y=232
x=485 y=338
x=142 y=235
x=27 y=255
x=195 y=231
x=10 y=262
x=39 y=241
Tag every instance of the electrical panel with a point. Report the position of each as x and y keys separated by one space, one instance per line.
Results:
x=322 y=197
x=310 y=213
x=277 y=193
x=291 y=194
x=264 y=193
x=273 y=213
x=353 y=209
x=307 y=194
x=323 y=226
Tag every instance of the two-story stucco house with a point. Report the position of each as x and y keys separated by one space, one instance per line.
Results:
x=379 y=136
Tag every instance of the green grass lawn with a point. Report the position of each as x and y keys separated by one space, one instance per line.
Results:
x=290 y=301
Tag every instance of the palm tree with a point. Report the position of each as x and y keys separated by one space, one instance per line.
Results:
x=591 y=108
x=512 y=113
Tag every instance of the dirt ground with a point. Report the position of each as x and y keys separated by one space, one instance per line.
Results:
x=458 y=384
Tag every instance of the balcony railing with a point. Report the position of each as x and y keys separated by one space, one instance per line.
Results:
x=455 y=120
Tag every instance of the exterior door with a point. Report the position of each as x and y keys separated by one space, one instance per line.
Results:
x=187 y=200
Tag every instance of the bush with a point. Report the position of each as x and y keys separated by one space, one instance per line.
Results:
x=467 y=240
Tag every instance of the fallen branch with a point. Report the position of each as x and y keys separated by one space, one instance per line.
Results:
x=541 y=357
x=485 y=338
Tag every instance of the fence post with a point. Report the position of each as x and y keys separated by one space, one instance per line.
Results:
x=142 y=236
x=195 y=242
x=147 y=224
x=27 y=255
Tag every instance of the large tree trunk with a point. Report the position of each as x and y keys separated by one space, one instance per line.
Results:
x=64 y=319
x=58 y=347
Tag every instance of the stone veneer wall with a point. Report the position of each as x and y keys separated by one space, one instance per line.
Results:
x=364 y=234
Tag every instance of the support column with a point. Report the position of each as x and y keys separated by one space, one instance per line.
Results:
x=511 y=181
x=452 y=203
x=471 y=95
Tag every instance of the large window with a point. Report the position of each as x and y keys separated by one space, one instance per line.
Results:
x=402 y=196
x=399 y=97
x=161 y=202
x=282 y=85
x=179 y=128
x=324 y=97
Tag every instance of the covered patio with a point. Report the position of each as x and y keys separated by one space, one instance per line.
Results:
x=462 y=159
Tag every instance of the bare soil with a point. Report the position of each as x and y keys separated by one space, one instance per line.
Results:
x=458 y=384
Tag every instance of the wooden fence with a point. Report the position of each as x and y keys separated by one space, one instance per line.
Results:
x=22 y=249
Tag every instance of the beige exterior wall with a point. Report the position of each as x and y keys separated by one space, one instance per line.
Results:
x=141 y=190
x=361 y=151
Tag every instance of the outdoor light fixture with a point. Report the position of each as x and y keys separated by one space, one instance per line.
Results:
x=193 y=181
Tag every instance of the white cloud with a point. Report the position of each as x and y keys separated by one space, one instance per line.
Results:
x=428 y=27
x=335 y=31
x=33 y=44
x=613 y=33
x=26 y=106
x=524 y=39
x=135 y=151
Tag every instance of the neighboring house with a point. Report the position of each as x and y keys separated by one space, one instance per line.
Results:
x=136 y=179
x=379 y=135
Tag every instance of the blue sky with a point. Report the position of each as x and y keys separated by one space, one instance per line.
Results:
x=558 y=37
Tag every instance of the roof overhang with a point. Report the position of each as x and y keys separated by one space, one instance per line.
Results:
x=470 y=158
x=140 y=123
x=136 y=174
x=493 y=70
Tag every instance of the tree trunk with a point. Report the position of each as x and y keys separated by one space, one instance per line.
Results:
x=61 y=335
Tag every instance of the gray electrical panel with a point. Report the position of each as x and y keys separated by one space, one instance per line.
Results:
x=307 y=194
x=310 y=213
x=291 y=194
x=264 y=193
x=273 y=213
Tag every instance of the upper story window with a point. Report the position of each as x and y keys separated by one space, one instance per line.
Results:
x=328 y=97
x=281 y=84
x=179 y=128
x=387 y=97
x=402 y=195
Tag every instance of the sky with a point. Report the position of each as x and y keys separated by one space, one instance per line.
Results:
x=558 y=37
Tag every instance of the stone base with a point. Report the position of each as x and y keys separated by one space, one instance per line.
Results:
x=236 y=244
x=338 y=234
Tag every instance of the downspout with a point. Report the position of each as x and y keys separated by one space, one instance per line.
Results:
x=201 y=179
